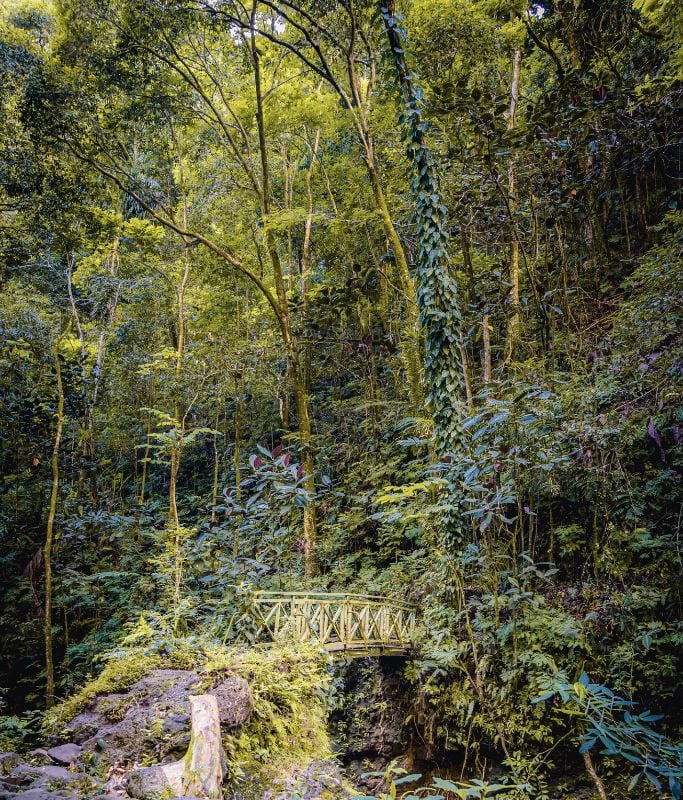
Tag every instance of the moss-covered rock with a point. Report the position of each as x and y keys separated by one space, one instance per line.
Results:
x=272 y=704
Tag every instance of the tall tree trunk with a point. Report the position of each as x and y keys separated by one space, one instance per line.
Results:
x=49 y=534
x=112 y=304
x=486 y=343
x=176 y=452
x=237 y=465
x=514 y=320
x=148 y=445
x=291 y=345
x=411 y=339
x=306 y=252
x=216 y=465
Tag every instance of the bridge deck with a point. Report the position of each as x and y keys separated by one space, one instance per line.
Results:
x=351 y=625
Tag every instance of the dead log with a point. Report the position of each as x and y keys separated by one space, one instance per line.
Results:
x=204 y=762
x=200 y=772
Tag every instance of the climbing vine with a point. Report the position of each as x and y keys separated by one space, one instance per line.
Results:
x=437 y=290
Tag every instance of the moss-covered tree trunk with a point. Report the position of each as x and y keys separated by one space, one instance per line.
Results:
x=294 y=354
x=49 y=533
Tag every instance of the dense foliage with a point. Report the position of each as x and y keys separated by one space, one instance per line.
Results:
x=249 y=340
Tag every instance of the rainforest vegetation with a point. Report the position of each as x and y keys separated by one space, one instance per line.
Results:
x=352 y=296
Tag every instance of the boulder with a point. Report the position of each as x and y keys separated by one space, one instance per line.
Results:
x=128 y=727
x=28 y=774
x=85 y=725
x=234 y=701
x=151 y=720
x=38 y=794
x=175 y=723
x=148 y=782
x=51 y=778
x=319 y=779
x=65 y=753
x=8 y=762
x=45 y=794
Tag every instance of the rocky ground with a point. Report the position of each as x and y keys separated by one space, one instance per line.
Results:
x=117 y=735
x=110 y=749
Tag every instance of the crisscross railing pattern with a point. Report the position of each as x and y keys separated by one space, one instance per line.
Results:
x=360 y=624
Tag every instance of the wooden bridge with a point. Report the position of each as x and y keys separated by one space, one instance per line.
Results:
x=351 y=625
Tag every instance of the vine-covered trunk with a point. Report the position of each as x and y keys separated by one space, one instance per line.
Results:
x=437 y=291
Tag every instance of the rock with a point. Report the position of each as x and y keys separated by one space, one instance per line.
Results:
x=234 y=701
x=176 y=749
x=45 y=794
x=65 y=753
x=8 y=762
x=85 y=726
x=126 y=728
x=26 y=773
x=148 y=782
x=150 y=721
x=318 y=779
x=175 y=723
x=370 y=721
x=176 y=733
x=37 y=794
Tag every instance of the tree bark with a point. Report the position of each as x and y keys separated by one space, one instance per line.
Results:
x=49 y=534
x=514 y=320
x=216 y=465
x=284 y=316
x=486 y=344
x=205 y=763
x=597 y=781
x=201 y=771
x=411 y=336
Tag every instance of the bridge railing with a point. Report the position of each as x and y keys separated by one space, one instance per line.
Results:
x=338 y=621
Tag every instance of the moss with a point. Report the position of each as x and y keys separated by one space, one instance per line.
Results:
x=117 y=676
x=288 y=685
x=288 y=724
